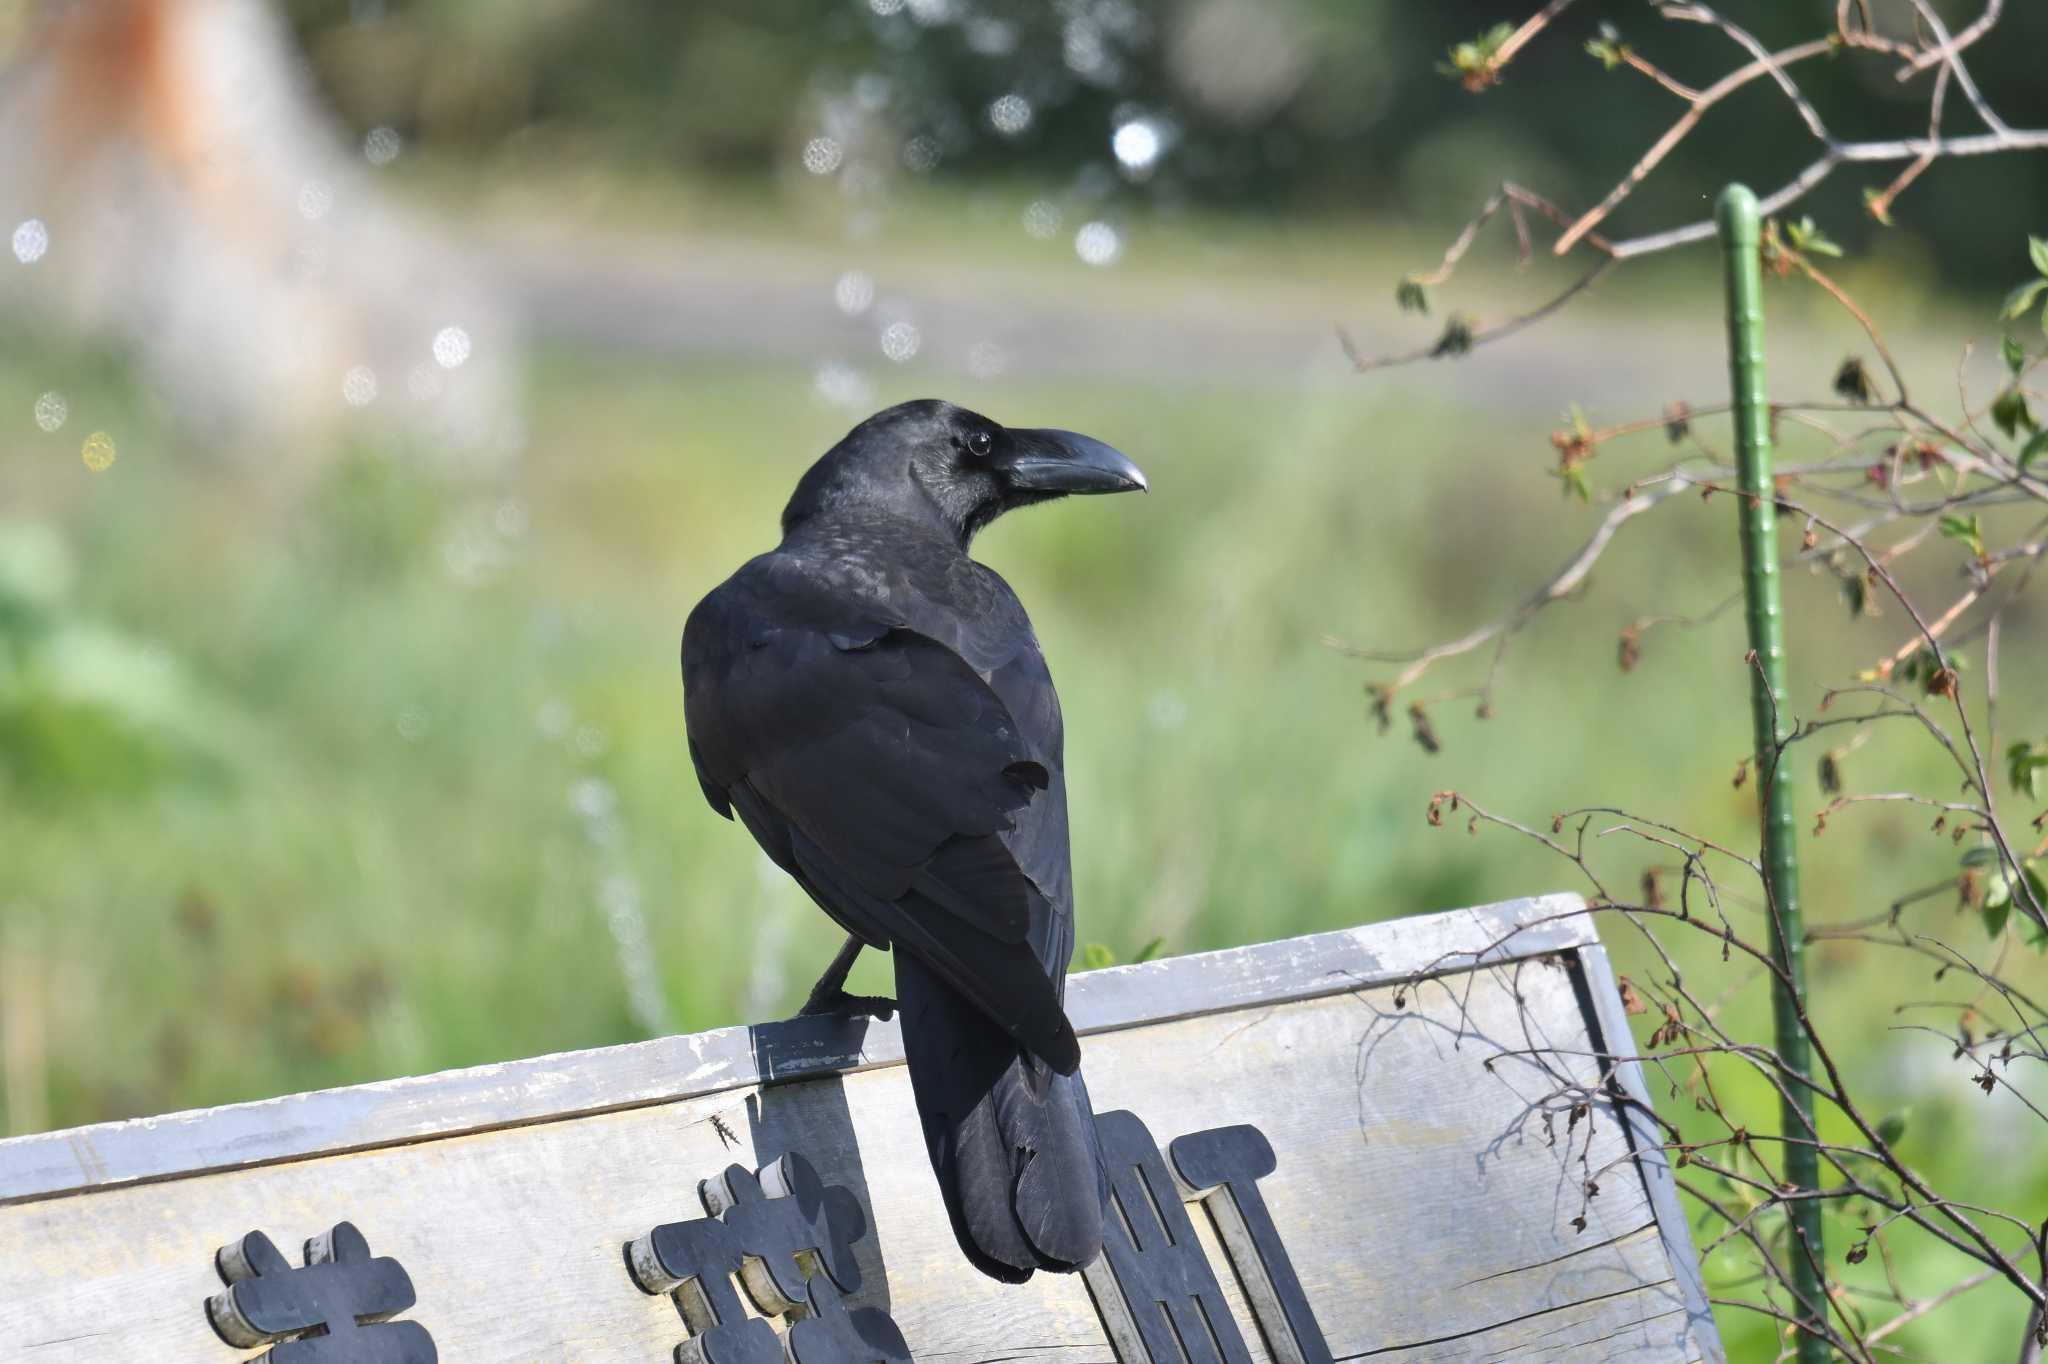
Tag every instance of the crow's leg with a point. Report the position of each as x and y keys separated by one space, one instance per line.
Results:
x=829 y=995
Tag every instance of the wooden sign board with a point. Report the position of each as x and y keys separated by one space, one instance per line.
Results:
x=1416 y=1080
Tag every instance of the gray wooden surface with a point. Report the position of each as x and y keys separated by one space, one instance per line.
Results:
x=1425 y=1200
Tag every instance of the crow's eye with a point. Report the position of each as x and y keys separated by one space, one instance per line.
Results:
x=979 y=444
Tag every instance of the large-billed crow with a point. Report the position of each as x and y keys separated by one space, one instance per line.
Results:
x=873 y=704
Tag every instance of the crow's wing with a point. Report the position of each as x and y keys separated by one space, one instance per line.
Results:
x=880 y=769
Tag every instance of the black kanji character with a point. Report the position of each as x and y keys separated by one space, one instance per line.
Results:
x=788 y=1224
x=1224 y=1166
x=829 y=1334
x=342 y=1296
x=790 y=1240
x=1153 y=1286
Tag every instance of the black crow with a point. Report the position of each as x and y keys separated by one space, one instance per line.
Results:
x=873 y=704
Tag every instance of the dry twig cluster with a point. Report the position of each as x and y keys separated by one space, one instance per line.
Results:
x=1894 y=477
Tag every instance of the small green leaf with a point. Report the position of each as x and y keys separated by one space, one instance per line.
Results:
x=1607 y=47
x=2009 y=412
x=1456 y=338
x=1856 y=592
x=1574 y=477
x=1150 y=950
x=2037 y=251
x=1095 y=956
x=2022 y=298
x=1980 y=857
x=1874 y=204
x=1970 y=532
x=1891 y=1129
x=1852 y=380
x=1411 y=296
x=1997 y=904
x=2033 y=447
x=2015 y=354
x=1807 y=237
x=1472 y=62
x=2025 y=763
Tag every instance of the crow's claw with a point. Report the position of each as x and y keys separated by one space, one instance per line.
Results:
x=879 y=1007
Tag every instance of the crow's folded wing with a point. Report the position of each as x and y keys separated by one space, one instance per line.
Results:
x=882 y=770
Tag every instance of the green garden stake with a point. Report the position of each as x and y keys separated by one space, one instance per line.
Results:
x=1736 y=215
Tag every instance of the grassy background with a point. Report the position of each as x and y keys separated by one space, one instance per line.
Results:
x=320 y=778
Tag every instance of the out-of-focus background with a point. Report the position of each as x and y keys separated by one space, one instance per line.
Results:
x=381 y=383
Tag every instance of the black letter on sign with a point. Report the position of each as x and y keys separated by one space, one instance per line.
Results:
x=1153 y=1287
x=342 y=1293
x=826 y=1333
x=790 y=1240
x=1223 y=1166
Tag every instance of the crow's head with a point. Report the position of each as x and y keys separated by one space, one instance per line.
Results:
x=931 y=461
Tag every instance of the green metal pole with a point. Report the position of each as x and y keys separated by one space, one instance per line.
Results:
x=1737 y=216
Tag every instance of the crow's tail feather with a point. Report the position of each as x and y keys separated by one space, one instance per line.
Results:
x=1012 y=1141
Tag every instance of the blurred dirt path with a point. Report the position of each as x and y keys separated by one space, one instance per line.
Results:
x=736 y=300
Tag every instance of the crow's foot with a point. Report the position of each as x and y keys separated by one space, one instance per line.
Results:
x=837 y=1001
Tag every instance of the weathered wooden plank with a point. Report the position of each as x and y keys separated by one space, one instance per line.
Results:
x=1650 y=1329
x=1425 y=1205
x=672 y=1068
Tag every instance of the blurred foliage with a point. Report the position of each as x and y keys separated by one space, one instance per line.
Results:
x=1265 y=104
x=87 y=711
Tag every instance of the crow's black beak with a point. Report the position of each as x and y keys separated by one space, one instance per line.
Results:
x=1068 y=462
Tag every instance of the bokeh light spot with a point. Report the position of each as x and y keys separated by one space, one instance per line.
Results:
x=1137 y=144
x=315 y=198
x=1010 y=115
x=97 y=452
x=31 y=240
x=854 y=292
x=1042 y=219
x=822 y=156
x=1098 y=244
x=921 y=154
x=382 y=145
x=359 y=386
x=1081 y=45
x=990 y=37
x=51 y=410
x=900 y=341
x=451 y=347
x=841 y=385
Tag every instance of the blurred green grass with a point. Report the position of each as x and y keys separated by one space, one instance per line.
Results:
x=409 y=736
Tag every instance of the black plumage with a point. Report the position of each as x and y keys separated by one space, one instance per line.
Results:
x=873 y=706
